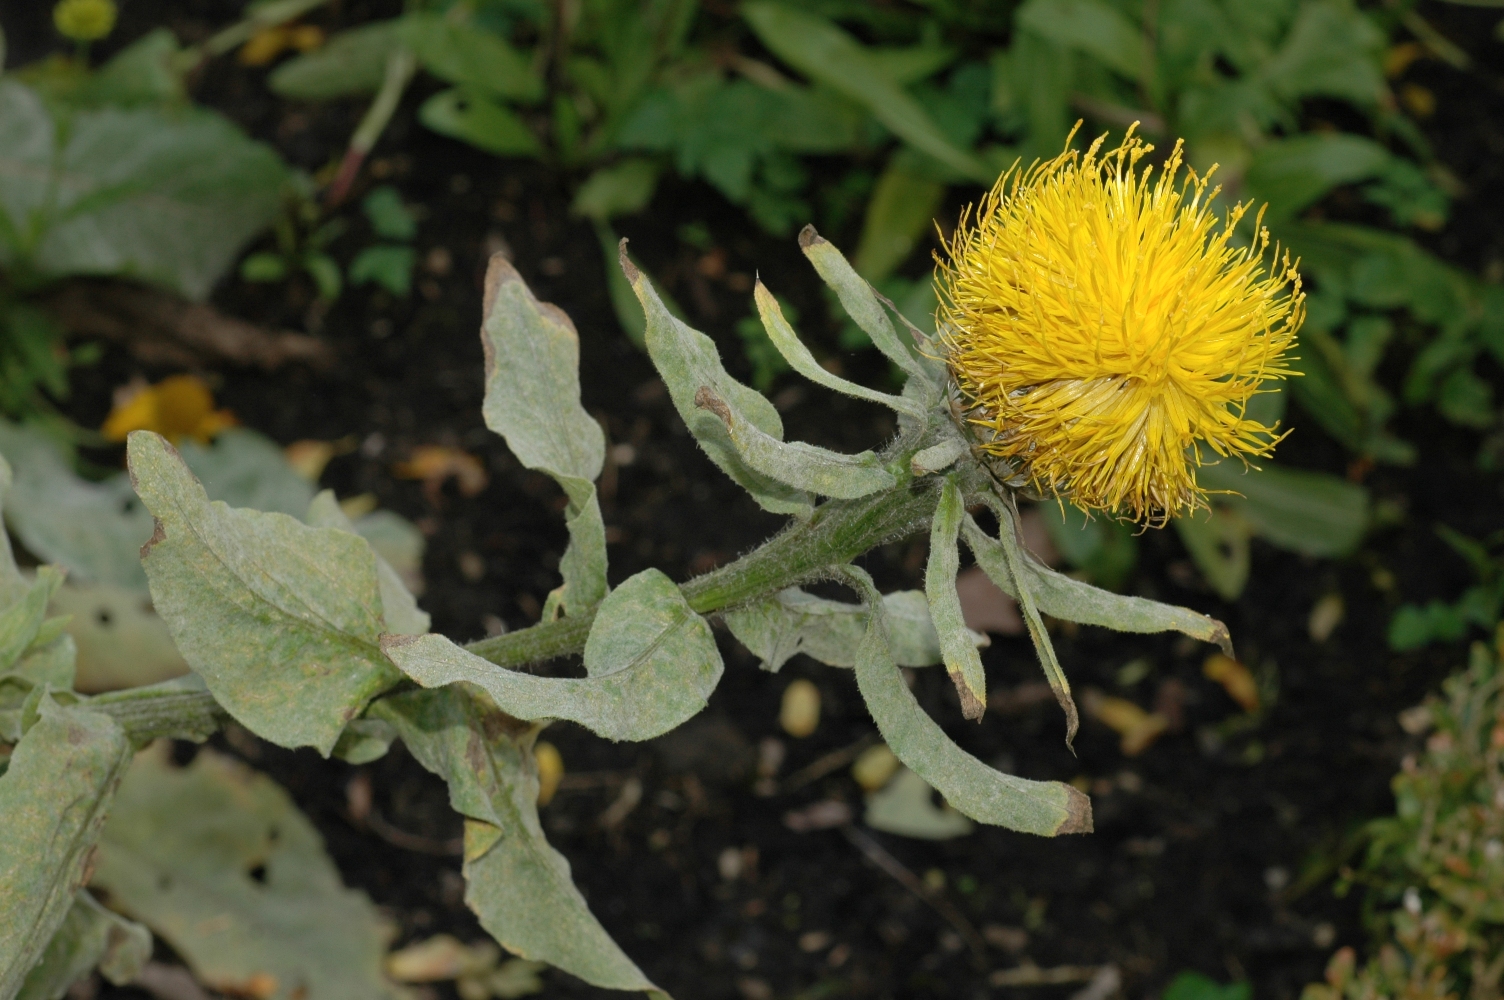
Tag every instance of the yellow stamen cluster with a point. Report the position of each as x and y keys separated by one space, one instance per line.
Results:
x=1099 y=326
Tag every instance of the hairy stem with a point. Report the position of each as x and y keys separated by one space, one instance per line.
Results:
x=839 y=531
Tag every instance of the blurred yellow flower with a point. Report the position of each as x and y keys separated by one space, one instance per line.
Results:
x=1099 y=326
x=84 y=20
x=177 y=407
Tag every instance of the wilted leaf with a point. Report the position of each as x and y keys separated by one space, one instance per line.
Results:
x=517 y=884
x=986 y=795
x=688 y=362
x=959 y=652
x=533 y=400
x=168 y=197
x=906 y=807
x=1235 y=679
x=54 y=796
x=279 y=618
x=90 y=937
x=218 y=861
x=650 y=664
x=1063 y=597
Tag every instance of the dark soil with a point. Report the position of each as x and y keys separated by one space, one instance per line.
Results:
x=1200 y=847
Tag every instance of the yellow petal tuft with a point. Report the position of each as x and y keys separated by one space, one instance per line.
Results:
x=1100 y=326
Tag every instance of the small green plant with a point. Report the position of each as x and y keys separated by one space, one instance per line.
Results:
x=300 y=632
x=1433 y=874
x=1415 y=625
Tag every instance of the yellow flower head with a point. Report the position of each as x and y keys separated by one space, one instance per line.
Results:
x=84 y=20
x=1098 y=326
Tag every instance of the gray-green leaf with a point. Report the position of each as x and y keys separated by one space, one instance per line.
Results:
x=688 y=362
x=217 y=860
x=54 y=796
x=399 y=609
x=650 y=665
x=89 y=937
x=517 y=884
x=1047 y=808
x=279 y=618
x=792 y=622
x=168 y=197
x=960 y=653
x=533 y=400
x=904 y=806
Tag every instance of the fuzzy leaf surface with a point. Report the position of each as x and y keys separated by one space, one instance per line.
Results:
x=956 y=646
x=280 y=619
x=793 y=621
x=533 y=400
x=90 y=936
x=216 y=859
x=803 y=362
x=1047 y=808
x=1068 y=599
x=399 y=609
x=650 y=663
x=688 y=362
x=54 y=796
x=517 y=884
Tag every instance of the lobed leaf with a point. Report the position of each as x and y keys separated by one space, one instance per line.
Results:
x=217 y=860
x=517 y=884
x=960 y=653
x=54 y=796
x=1047 y=808
x=650 y=665
x=279 y=618
x=533 y=400
x=687 y=361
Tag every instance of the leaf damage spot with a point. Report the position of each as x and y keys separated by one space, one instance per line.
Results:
x=158 y=533
x=808 y=237
x=627 y=267
x=1077 y=813
x=707 y=399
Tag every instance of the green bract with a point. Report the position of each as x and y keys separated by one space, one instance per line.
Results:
x=302 y=633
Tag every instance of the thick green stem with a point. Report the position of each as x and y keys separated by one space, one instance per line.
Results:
x=838 y=532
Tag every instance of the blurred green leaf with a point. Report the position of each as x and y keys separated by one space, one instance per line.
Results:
x=90 y=937
x=1195 y=986
x=902 y=209
x=353 y=63
x=1291 y=174
x=1217 y=540
x=216 y=859
x=1312 y=513
x=387 y=266
x=467 y=55
x=620 y=189
x=1090 y=26
x=389 y=217
x=164 y=197
x=825 y=53
x=470 y=117
x=905 y=806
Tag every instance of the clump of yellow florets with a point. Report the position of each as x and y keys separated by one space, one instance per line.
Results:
x=1100 y=327
x=84 y=20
